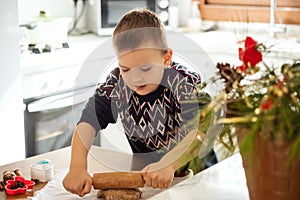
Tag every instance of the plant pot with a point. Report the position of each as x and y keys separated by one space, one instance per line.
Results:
x=269 y=175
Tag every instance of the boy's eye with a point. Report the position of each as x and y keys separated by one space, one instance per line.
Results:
x=145 y=68
x=124 y=70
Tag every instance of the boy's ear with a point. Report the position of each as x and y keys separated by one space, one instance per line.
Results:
x=168 y=57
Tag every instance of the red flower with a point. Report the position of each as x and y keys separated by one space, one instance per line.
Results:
x=249 y=55
x=280 y=84
x=267 y=103
x=242 y=68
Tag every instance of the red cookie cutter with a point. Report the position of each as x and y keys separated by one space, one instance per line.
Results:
x=28 y=184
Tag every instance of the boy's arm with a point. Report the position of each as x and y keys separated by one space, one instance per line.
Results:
x=78 y=180
x=185 y=151
x=182 y=153
x=189 y=147
x=81 y=143
x=161 y=173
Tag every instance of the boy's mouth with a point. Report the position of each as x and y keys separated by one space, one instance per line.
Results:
x=140 y=87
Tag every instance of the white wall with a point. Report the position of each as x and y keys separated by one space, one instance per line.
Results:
x=12 y=143
x=29 y=9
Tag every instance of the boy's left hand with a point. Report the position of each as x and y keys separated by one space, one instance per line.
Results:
x=158 y=176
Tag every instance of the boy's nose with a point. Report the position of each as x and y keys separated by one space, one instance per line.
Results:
x=136 y=76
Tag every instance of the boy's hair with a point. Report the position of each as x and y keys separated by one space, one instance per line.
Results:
x=139 y=28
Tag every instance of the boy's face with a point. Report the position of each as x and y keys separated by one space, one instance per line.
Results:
x=142 y=69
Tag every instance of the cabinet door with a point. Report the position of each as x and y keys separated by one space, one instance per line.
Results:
x=287 y=11
x=280 y=3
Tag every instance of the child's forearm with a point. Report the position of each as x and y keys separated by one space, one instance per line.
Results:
x=184 y=152
x=81 y=143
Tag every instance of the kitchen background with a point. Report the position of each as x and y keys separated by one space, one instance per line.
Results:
x=34 y=87
x=14 y=13
x=37 y=83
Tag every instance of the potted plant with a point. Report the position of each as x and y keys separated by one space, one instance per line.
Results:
x=263 y=112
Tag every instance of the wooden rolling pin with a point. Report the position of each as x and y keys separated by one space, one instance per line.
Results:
x=116 y=180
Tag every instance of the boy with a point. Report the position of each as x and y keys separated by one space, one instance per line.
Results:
x=145 y=91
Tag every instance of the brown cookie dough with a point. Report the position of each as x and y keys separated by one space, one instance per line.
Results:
x=120 y=194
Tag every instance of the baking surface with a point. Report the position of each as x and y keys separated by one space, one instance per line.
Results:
x=98 y=162
x=223 y=181
x=55 y=190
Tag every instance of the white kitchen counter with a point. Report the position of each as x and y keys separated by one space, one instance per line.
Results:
x=56 y=71
x=223 y=181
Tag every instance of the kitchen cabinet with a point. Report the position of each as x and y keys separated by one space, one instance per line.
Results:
x=287 y=11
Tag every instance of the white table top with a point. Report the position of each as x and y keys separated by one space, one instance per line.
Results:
x=223 y=181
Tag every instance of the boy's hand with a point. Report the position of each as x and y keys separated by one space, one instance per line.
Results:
x=158 y=177
x=78 y=181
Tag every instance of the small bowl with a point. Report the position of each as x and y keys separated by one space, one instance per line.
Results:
x=42 y=171
x=28 y=185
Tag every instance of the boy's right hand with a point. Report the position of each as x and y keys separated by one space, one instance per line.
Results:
x=78 y=181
